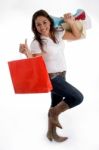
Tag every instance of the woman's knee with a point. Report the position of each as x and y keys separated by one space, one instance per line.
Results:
x=79 y=99
x=74 y=101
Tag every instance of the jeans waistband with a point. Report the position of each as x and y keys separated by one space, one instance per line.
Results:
x=53 y=75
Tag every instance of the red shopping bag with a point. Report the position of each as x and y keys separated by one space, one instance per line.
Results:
x=30 y=75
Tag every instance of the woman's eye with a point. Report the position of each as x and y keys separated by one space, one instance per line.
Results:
x=38 y=25
x=45 y=22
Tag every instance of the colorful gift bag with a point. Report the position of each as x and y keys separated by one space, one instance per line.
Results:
x=79 y=15
x=29 y=75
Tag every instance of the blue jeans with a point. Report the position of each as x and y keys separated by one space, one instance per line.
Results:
x=62 y=90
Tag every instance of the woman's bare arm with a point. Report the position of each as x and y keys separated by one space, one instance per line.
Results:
x=23 y=48
x=74 y=34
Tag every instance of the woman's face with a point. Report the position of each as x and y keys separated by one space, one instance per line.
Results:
x=43 y=26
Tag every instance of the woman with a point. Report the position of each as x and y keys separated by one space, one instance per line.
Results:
x=49 y=43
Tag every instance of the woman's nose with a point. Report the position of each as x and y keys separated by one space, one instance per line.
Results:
x=42 y=26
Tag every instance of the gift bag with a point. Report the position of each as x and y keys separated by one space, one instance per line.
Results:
x=81 y=17
x=29 y=75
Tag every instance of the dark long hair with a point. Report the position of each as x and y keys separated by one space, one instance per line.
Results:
x=36 y=33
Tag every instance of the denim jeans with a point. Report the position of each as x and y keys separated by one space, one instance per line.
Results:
x=62 y=90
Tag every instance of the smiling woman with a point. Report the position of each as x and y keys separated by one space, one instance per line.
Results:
x=17 y=129
x=63 y=95
x=42 y=25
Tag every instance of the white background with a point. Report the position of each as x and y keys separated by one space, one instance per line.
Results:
x=23 y=118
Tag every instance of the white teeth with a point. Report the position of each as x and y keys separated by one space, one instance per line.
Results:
x=43 y=30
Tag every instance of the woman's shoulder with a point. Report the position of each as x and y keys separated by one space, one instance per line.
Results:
x=59 y=32
x=34 y=46
x=34 y=41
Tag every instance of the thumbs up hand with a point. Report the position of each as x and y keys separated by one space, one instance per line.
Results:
x=23 y=48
